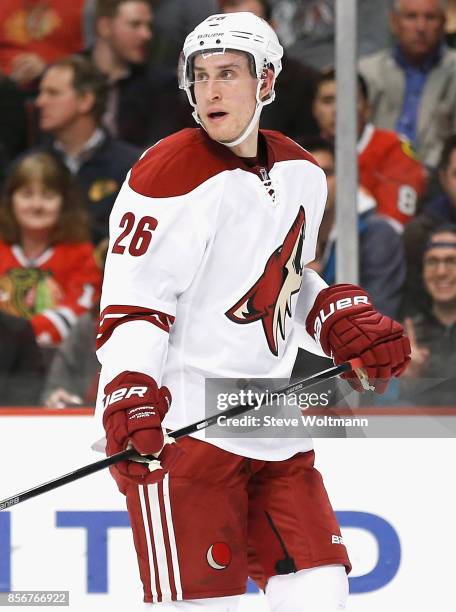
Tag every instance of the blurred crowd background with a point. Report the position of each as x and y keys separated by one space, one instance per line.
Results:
x=86 y=86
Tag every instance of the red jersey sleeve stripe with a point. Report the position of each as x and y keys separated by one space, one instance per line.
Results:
x=113 y=316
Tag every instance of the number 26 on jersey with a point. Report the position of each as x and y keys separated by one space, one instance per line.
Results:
x=139 y=242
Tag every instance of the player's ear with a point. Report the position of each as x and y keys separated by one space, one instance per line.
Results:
x=267 y=81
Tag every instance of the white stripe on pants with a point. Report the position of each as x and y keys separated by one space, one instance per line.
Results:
x=150 y=496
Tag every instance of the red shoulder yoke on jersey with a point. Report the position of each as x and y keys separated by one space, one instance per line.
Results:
x=185 y=160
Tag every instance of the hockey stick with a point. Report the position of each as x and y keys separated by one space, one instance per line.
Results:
x=129 y=454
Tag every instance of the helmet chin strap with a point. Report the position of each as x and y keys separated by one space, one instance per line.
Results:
x=250 y=126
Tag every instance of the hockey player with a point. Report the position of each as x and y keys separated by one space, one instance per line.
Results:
x=206 y=278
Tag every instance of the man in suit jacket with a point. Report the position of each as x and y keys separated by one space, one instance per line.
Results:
x=413 y=85
x=71 y=104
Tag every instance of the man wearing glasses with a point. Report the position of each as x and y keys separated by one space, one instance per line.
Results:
x=431 y=377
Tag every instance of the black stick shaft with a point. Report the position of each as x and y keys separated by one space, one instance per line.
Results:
x=241 y=409
x=179 y=433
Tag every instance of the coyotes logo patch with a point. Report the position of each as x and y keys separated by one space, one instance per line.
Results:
x=269 y=300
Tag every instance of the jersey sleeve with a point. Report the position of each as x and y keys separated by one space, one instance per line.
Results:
x=81 y=293
x=312 y=283
x=156 y=247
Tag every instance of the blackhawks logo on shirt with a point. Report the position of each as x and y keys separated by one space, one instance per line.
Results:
x=33 y=21
x=407 y=148
x=102 y=188
x=269 y=299
x=25 y=292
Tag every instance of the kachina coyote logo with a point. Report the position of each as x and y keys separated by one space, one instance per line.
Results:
x=270 y=297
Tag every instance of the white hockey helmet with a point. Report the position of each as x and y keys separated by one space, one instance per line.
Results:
x=238 y=32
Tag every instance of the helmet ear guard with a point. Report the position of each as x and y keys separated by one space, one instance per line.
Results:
x=185 y=76
x=233 y=32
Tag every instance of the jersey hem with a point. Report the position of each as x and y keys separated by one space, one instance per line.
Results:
x=329 y=561
x=269 y=454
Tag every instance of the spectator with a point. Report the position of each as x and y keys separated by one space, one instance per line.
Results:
x=324 y=104
x=382 y=270
x=143 y=102
x=431 y=377
x=291 y=113
x=413 y=86
x=388 y=169
x=39 y=32
x=71 y=104
x=306 y=28
x=21 y=363
x=440 y=209
x=47 y=270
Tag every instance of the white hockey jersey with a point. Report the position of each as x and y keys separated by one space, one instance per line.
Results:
x=205 y=275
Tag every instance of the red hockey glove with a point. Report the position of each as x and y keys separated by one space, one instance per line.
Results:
x=345 y=323
x=134 y=410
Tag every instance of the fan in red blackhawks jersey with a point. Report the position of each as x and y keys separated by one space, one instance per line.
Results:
x=207 y=277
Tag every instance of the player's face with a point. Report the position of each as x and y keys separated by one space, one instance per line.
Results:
x=418 y=26
x=130 y=32
x=36 y=207
x=448 y=178
x=58 y=102
x=439 y=270
x=324 y=109
x=225 y=94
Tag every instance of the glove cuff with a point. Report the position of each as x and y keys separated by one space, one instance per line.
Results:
x=331 y=305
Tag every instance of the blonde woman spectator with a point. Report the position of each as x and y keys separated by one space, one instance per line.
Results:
x=47 y=270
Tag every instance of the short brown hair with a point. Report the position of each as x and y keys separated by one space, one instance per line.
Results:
x=109 y=8
x=73 y=223
x=86 y=78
